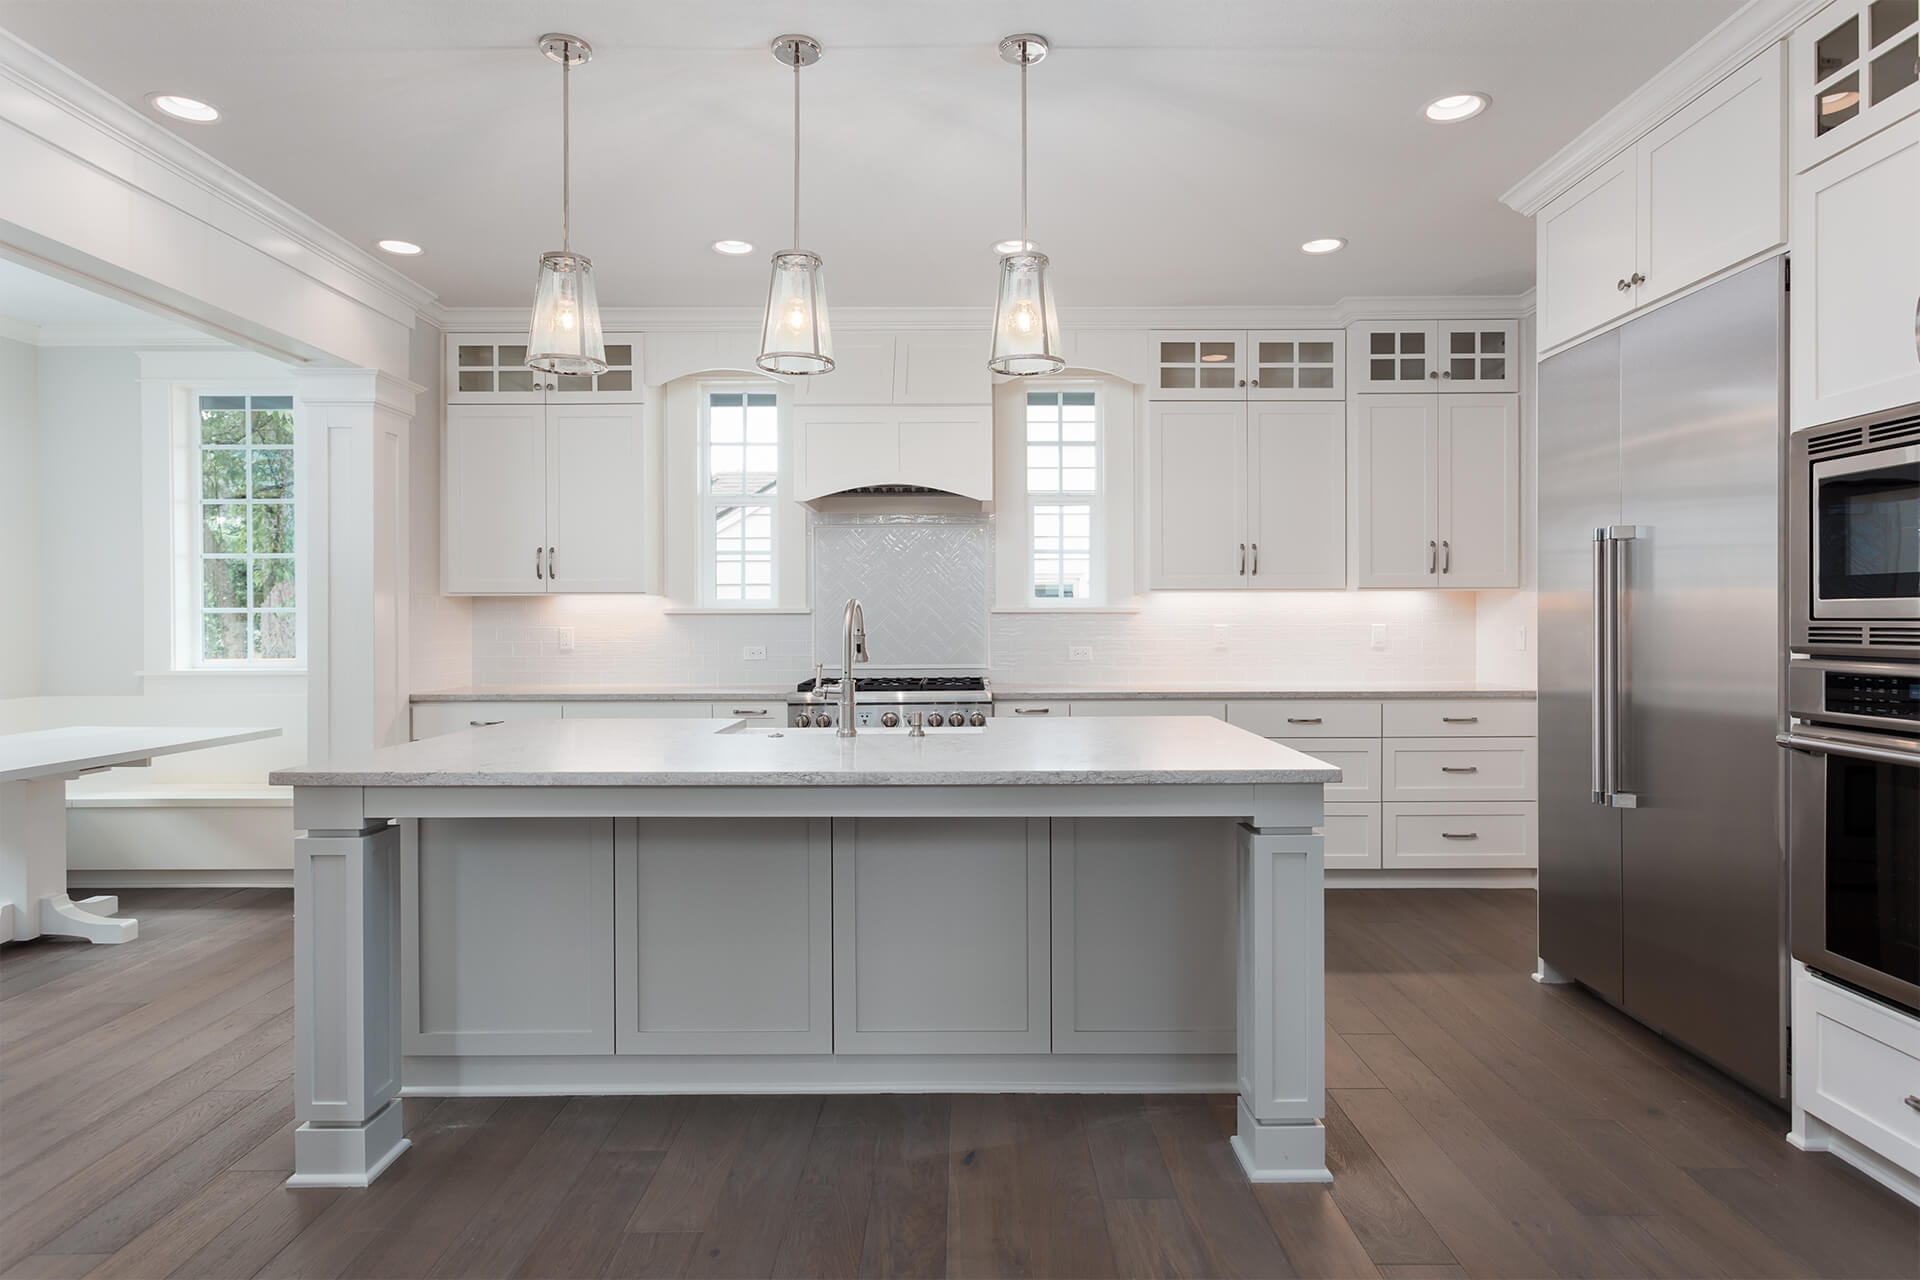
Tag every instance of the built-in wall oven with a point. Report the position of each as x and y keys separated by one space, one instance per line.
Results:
x=1853 y=508
x=1854 y=822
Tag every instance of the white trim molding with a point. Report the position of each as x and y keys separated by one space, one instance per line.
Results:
x=1723 y=50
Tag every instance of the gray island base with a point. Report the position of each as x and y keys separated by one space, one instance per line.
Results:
x=692 y=906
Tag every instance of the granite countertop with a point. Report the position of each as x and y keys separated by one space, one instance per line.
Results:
x=1011 y=692
x=1189 y=750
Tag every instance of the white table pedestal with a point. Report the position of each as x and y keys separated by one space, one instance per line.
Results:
x=33 y=871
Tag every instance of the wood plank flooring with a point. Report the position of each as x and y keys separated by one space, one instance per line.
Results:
x=1478 y=1125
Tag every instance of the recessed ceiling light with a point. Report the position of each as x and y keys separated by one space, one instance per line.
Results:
x=733 y=248
x=184 y=108
x=1325 y=244
x=405 y=248
x=1005 y=247
x=1832 y=104
x=1456 y=107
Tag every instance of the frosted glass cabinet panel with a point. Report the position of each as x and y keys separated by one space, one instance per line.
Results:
x=1297 y=364
x=1436 y=355
x=491 y=368
x=1854 y=70
x=1190 y=364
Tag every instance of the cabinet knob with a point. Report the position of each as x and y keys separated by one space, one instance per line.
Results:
x=1256 y=382
x=1433 y=373
x=1636 y=279
x=1448 y=375
x=1243 y=382
x=1622 y=285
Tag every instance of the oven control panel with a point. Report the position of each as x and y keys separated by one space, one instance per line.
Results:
x=1885 y=697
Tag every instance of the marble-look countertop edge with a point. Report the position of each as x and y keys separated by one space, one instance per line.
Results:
x=869 y=778
x=1006 y=693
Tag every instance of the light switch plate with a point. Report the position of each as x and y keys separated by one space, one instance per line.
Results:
x=1378 y=640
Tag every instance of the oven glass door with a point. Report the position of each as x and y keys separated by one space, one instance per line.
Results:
x=1866 y=520
x=1872 y=874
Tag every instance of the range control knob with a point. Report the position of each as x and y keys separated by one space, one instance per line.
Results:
x=801 y=720
x=823 y=721
x=889 y=719
x=935 y=720
x=978 y=719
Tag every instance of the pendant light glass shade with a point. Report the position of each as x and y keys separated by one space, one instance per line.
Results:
x=796 y=338
x=565 y=335
x=1026 y=331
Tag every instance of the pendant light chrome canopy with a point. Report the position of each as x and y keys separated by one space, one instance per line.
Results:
x=795 y=337
x=1026 y=331
x=564 y=336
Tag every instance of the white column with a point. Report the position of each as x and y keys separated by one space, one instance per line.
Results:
x=1282 y=1002
x=346 y=985
x=356 y=423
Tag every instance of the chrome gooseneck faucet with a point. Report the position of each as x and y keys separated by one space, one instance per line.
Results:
x=854 y=649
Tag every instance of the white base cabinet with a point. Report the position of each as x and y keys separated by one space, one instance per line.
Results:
x=1856 y=1081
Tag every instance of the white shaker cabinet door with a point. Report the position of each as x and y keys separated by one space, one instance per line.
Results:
x=1856 y=280
x=1297 y=494
x=1198 y=509
x=596 y=510
x=1479 y=474
x=495 y=505
x=1395 y=454
x=1588 y=252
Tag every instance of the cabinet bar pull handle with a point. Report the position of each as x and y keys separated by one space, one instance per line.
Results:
x=1446 y=556
x=1243 y=559
x=481 y=724
x=751 y=711
x=1459 y=719
x=1459 y=768
x=1459 y=835
x=553 y=575
x=1913 y=1100
x=1031 y=711
x=538 y=572
x=1256 y=559
x=1303 y=719
x=1432 y=553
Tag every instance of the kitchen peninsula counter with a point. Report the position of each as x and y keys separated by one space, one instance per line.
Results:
x=696 y=906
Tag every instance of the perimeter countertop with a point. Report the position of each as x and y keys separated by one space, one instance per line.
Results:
x=1009 y=692
x=1189 y=750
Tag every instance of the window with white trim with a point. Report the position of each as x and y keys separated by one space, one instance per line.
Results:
x=1063 y=496
x=244 y=603
x=740 y=485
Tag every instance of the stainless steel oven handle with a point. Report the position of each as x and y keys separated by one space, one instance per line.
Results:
x=1597 y=685
x=1852 y=750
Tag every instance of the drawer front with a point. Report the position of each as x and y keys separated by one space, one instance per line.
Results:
x=1469 y=769
x=1027 y=709
x=1459 y=835
x=1857 y=1065
x=1304 y=718
x=1148 y=707
x=1449 y=718
x=1352 y=833
x=1358 y=760
x=431 y=719
x=638 y=710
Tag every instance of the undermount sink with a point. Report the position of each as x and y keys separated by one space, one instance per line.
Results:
x=760 y=728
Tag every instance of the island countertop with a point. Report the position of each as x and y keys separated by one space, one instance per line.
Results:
x=1180 y=750
x=1436 y=689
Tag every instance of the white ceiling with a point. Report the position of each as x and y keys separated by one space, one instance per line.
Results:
x=30 y=298
x=1181 y=151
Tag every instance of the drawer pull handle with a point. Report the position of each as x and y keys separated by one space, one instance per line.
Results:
x=1459 y=835
x=1459 y=719
x=1303 y=720
x=1031 y=711
x=1459 y=768
x=481 y=724
x=1913 y=1100
x=750 y=711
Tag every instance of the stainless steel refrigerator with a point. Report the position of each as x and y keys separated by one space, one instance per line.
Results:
x=1662 y=869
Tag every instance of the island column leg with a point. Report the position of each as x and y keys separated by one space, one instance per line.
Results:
x=1282 y=1002
x=346 y=999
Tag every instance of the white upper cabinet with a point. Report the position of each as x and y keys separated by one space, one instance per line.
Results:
x=1199 y=502
x=1297 y=495
x=1194 y=364
x=1437 y=485
x=491 y=368
x=1297 y=364
x=1702 y=192
x=1419 y=356
x=1855 y=69
x=1855 y=301
x=596 y=536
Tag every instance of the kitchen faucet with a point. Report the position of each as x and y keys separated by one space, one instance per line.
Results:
x=854 y=649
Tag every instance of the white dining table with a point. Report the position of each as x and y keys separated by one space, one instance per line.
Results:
x=35 y=768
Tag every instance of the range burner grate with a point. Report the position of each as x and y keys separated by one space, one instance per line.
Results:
x=901 y=684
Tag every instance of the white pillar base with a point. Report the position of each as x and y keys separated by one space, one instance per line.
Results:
x=89 y=918
x=1547 y=975
x=1281 y=1152
x=347 y=1155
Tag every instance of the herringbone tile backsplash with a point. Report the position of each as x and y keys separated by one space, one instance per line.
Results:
x=923 y=587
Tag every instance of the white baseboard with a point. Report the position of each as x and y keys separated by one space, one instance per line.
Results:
x=166 y=878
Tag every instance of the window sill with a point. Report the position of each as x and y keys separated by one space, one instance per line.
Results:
x=221 y=673
x=1066 y=610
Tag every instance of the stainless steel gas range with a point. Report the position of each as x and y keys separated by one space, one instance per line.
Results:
x=888 y=702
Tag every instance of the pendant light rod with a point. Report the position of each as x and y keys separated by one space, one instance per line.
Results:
x=796 y=52
x=1023 y=51
x=569 y=52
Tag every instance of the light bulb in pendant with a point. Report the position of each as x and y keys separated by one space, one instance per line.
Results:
x=1023 y=319
x=567 y=320
x=794 y=319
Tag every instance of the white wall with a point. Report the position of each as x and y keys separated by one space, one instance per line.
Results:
x=20 y=517
x=440 y=628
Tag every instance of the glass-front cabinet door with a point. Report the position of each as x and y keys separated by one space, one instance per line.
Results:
x=1478 y=355
x=1191 y=364
x=1397 y=356
x=492 y=369
x=1856 y=70
x=1297 y=364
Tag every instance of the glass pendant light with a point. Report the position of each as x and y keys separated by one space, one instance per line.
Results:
x=1026 y=332
x=795 y=337
x=565 y=334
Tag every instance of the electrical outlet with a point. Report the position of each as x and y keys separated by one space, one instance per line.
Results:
x=1219 y=635
x=1520 y=639
x=566 y=639
x=1079 y=653
x=1378 y=638
x=754 y=653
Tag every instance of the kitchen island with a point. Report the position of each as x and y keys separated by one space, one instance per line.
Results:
x=659 y=906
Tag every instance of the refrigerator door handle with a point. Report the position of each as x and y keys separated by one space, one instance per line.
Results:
x=1597 y=684
x=1618 y=661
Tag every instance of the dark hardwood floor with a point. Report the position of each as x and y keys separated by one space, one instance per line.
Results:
x=1478 y=1125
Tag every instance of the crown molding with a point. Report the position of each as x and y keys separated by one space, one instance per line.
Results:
x=291 y=235
x=1752 y=28
x=856 y=319
x=126 y=335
